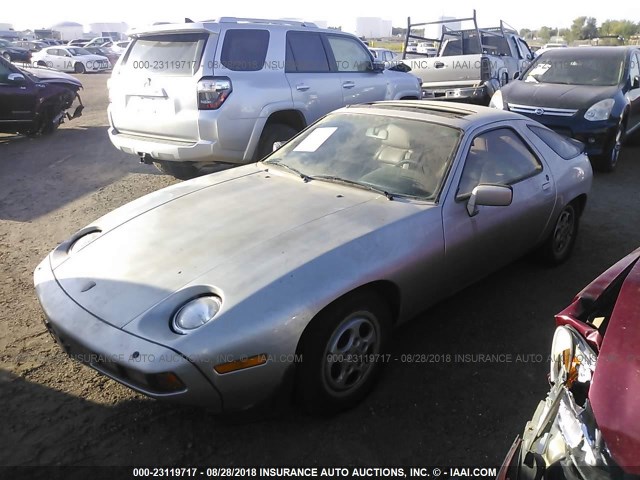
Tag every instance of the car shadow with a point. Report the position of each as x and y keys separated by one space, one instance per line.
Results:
x=57 y=169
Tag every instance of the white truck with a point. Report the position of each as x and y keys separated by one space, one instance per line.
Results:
x=471 y=64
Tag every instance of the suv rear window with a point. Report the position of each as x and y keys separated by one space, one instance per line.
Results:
x=566 y=148
x=244 y=50
x=173 y=54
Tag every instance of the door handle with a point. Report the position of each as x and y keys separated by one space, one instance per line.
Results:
x=348 y=84
x=438 y=65
x=546 y=185
x=301 y=87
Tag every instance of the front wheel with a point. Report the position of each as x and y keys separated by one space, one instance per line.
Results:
x=609 y=159
x=179 y=170
x=342 y=353
x=558 y=246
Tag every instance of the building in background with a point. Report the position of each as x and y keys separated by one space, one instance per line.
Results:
x=115 y=30
x=368 y=27
x=7 y=32
x=70 y=30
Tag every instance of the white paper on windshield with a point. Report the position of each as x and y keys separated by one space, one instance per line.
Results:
x=315 y=139
x=540 y=69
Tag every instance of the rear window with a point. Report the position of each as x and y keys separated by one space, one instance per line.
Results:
x=172 y=54
x=566 y=148
x=244 y=50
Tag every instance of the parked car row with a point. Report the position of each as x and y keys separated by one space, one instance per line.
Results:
x=70 y=59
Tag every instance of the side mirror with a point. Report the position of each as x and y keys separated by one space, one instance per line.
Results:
x=489 y=195
x=635 y=83
x=16 y=78
x=516 y=75
x=277 y=145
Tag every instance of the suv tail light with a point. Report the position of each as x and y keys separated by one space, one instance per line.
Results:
x=212 y=92
x=485 y=69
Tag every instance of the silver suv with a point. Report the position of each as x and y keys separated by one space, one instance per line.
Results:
x=224 y=91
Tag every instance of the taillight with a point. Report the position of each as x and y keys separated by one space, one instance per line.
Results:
x=485 y=69
x=212 y=92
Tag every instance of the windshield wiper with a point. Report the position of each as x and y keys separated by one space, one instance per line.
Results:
x=304 y=177
x=366 y=186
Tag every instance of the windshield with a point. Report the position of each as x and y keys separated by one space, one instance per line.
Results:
x=78 y=51
x=397 y=156
x=555 y=66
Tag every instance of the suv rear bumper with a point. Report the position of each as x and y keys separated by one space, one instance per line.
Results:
x=163 y=149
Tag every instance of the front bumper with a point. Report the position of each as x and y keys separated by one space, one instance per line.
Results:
x=478 y=95
x=129 y=359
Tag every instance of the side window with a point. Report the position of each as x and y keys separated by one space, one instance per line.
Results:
x=4 y=73
x=500 y=157
x=305 y=53
x=349 y=54
x=565 y=147
x=52 y=51
x=634 y=68
x=244 y=50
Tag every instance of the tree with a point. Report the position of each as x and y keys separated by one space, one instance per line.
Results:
x=584 y=28
x=545 y=33
x=526 y=33
x=622 y=28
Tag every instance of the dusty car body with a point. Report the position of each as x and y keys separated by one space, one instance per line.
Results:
x=36 y=100
x=589 y=424
x=288 y=274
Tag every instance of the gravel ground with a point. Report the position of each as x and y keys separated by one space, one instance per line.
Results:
x=438 y=412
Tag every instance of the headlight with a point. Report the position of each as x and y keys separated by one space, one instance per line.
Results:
x=600 y=110
x=83 y=241
x=496 y=101
x=196 y=313
x=571 y=358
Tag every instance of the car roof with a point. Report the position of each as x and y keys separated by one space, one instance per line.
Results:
x=598 y=52
x=463 y=116
x=229 y=22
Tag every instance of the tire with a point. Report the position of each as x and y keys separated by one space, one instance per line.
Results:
x=273 y=132
x=7 y=56
x=607 y=162
x=559 y=244
x=41 y=63
x=79 y=68
x=179 y=170
x=333 y=375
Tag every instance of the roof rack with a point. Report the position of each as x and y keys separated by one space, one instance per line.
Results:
x=495 y=31
x=265 y=21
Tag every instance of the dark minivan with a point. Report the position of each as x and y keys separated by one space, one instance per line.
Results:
x=588 y=93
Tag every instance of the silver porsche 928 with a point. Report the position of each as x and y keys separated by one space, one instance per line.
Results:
x=288 y=275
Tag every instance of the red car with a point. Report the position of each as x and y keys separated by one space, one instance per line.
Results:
x=588 y=427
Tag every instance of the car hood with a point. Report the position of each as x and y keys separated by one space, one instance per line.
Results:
x=245 y=221
x=48 y=75
x=555 y=95
x=615 y=390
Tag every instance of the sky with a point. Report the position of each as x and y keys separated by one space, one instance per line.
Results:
x=519 y=14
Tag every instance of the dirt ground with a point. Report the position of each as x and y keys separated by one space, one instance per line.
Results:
x=56 y=412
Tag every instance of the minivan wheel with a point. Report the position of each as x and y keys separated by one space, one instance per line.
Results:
x=79 y=68
x=179 y=170
x=273 y=132
x=342 y=352
x=609 y=159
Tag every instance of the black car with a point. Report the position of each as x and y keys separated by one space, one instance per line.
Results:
x=35 y=100
x=31 y=45
x=588 y=93
x=12 y=53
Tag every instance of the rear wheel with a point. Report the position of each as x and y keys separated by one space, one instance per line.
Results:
x=179 y=170
x=558 y=246
x=79 y=68
x=607 y=161
x=341 y=353
x=273 y=132
x=41 y=63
